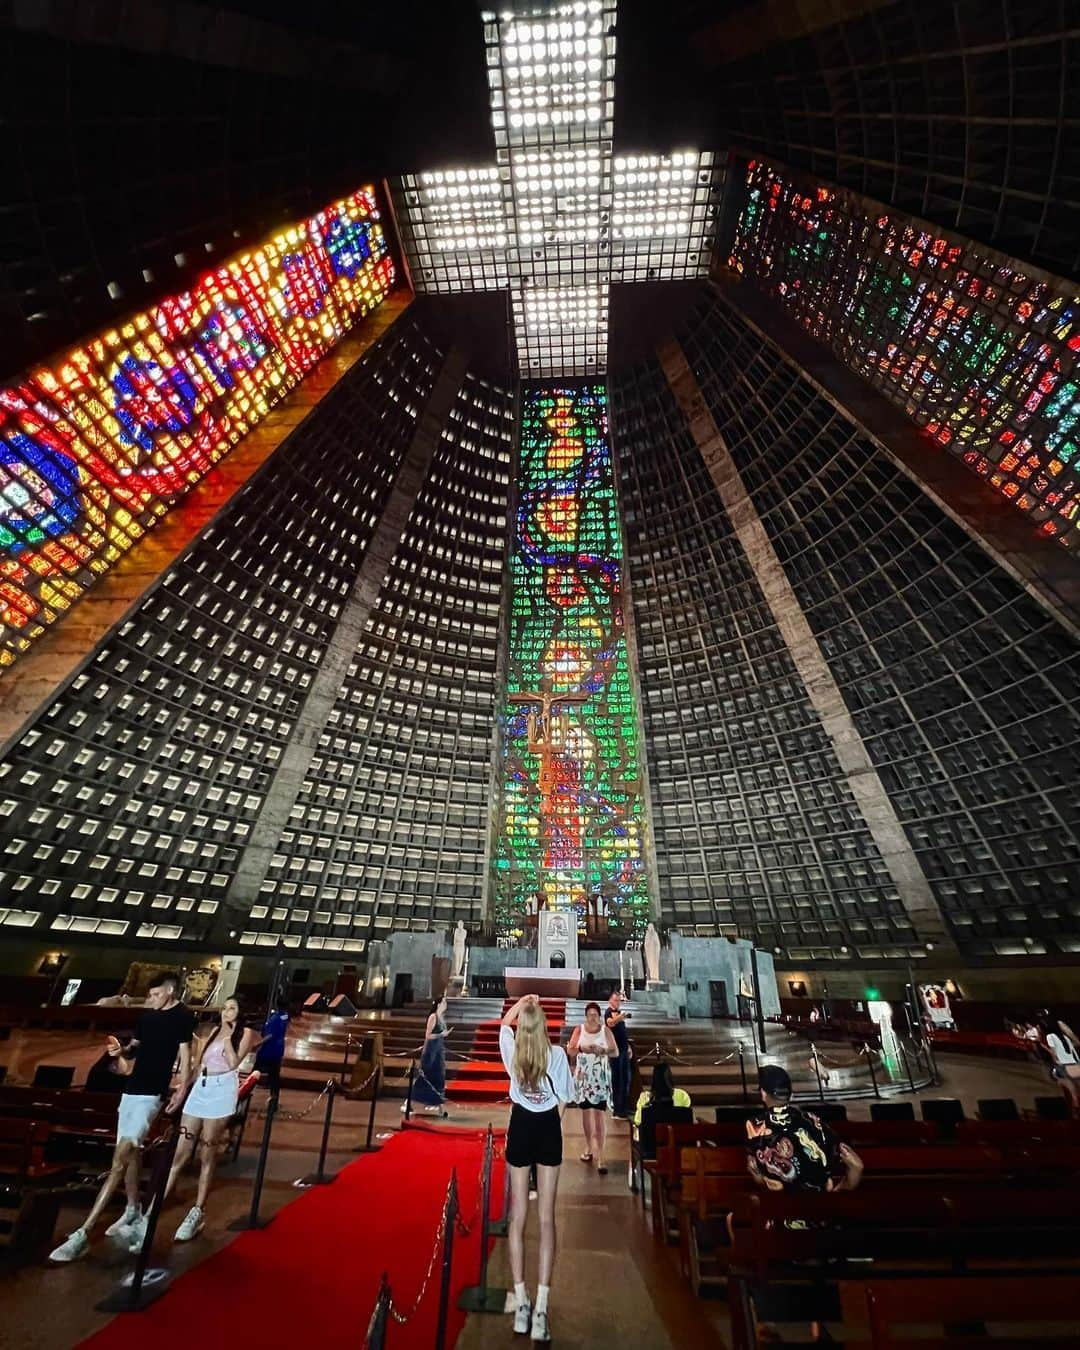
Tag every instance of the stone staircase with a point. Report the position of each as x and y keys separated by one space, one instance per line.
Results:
x=704 y=1055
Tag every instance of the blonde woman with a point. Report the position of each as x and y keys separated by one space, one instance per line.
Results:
x=540 y=1087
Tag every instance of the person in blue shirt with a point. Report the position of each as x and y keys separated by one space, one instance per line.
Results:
x=272 y=1050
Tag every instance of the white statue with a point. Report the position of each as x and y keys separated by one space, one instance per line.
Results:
x=459 y=949
x=651 y=948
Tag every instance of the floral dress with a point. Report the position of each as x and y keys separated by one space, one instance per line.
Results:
x=592 y=1073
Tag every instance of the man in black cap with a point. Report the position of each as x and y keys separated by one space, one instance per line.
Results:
x=791 y=1149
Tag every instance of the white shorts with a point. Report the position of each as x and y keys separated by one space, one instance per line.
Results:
x=135 y=1115
x=214 y=1096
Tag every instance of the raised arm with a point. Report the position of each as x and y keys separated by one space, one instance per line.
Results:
x=512 y=1014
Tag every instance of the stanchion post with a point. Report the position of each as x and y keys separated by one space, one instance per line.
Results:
x=319 y=1177
x=447 y=1260
x=376 y=1332
x=817 y=1071
x=345 y=1060
x=479 y=1298
x=408 y=1095
x=907 y=1066
x=870 y=1065
x=742 y=1074
x=134 y=1294
x=931 y=1062
x=368 y=1146
x=252 y=1220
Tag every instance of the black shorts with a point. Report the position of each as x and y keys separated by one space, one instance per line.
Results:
x=534 y=1137
x=592 y=1106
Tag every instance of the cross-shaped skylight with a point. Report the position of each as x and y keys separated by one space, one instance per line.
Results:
x=559 y=216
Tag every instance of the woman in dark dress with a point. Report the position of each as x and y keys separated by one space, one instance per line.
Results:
x=430 y=1086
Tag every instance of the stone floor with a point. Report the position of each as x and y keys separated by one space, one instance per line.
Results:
x=612 y=1285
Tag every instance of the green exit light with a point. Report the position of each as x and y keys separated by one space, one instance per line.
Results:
x=873 y=995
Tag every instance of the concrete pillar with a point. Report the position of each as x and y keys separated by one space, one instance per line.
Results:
x=296 y=761
x=866 y=786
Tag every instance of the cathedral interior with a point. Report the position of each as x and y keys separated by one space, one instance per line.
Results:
x=581 y=472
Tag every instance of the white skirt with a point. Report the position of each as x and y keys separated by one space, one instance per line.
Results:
x=214 y=1096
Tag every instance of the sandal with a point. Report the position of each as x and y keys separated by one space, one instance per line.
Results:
x=602 y=1169
x=586 y=1157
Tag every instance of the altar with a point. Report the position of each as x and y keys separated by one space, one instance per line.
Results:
x=556 y=973
x=545 y=981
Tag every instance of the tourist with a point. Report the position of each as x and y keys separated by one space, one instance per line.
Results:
x=662 y=1092
x=591 y=1048
x=615 y=1020
x=162 y=1034
x=791 y=1149
x=430 y=1086
x=1060 y=1045
x=540 y=1087
x=211 y=1104
x=272 y=1045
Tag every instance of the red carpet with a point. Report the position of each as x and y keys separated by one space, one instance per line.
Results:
x=311 y=1277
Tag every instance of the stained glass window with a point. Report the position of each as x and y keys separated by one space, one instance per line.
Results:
x=571 y=824
x=976 y=351
x=96 y=447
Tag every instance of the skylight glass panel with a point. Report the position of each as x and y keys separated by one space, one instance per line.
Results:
x=557 y=211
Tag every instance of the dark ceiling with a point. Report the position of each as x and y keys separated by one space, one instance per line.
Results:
x=145 y=131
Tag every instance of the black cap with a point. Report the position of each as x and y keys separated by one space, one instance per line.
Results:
x=775 y=1081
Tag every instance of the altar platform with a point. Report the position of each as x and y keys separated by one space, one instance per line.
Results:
x=545 y=981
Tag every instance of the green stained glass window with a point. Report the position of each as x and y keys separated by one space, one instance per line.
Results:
x=571 y=828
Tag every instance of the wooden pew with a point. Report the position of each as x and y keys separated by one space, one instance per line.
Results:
x=29 y=1189
x=919 y=1230
x=1044 y=1311
x=1002 y=1133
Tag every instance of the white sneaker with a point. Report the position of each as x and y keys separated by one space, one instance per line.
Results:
x=136 y=1233
x=522 y=1316
x=191 y=1226
x=124 y=1222
x=541 y=1328
x=78 y=1244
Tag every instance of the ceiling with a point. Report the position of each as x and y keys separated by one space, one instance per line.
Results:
x=141 y=134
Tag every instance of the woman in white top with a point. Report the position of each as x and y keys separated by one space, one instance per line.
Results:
x=540 y=1087
x=591 y=1047
x=1062 y=1050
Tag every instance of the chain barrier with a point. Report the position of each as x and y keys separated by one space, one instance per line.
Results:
x=395 y=1312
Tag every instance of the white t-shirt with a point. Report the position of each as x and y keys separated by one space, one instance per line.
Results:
x=1061 y=1050
x=558 y=1077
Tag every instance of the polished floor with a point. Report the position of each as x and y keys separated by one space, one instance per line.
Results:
x=613 y=1285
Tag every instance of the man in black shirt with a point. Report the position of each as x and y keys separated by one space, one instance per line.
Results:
x=615 y=1018
x=162 y=1033
x=790 y=1149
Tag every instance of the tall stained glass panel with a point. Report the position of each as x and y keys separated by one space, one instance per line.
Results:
x=571 y=827
x=983 y=355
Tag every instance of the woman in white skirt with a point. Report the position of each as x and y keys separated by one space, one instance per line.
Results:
x=210 y=1106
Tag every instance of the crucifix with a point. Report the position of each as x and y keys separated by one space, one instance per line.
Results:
x=558 y=216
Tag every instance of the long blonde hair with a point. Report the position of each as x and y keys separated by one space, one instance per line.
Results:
x=532 y=1049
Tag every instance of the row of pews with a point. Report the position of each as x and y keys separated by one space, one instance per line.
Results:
x=977 y=1226
x=53 y=1143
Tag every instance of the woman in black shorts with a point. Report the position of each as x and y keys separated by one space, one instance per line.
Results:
x=540 y=1087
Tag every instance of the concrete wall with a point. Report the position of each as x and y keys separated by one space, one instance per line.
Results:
x=699 y=960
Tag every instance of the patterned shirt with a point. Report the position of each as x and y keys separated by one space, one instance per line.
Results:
x=793 y=1147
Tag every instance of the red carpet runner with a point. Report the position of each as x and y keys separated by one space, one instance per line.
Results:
x=311 y=1277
